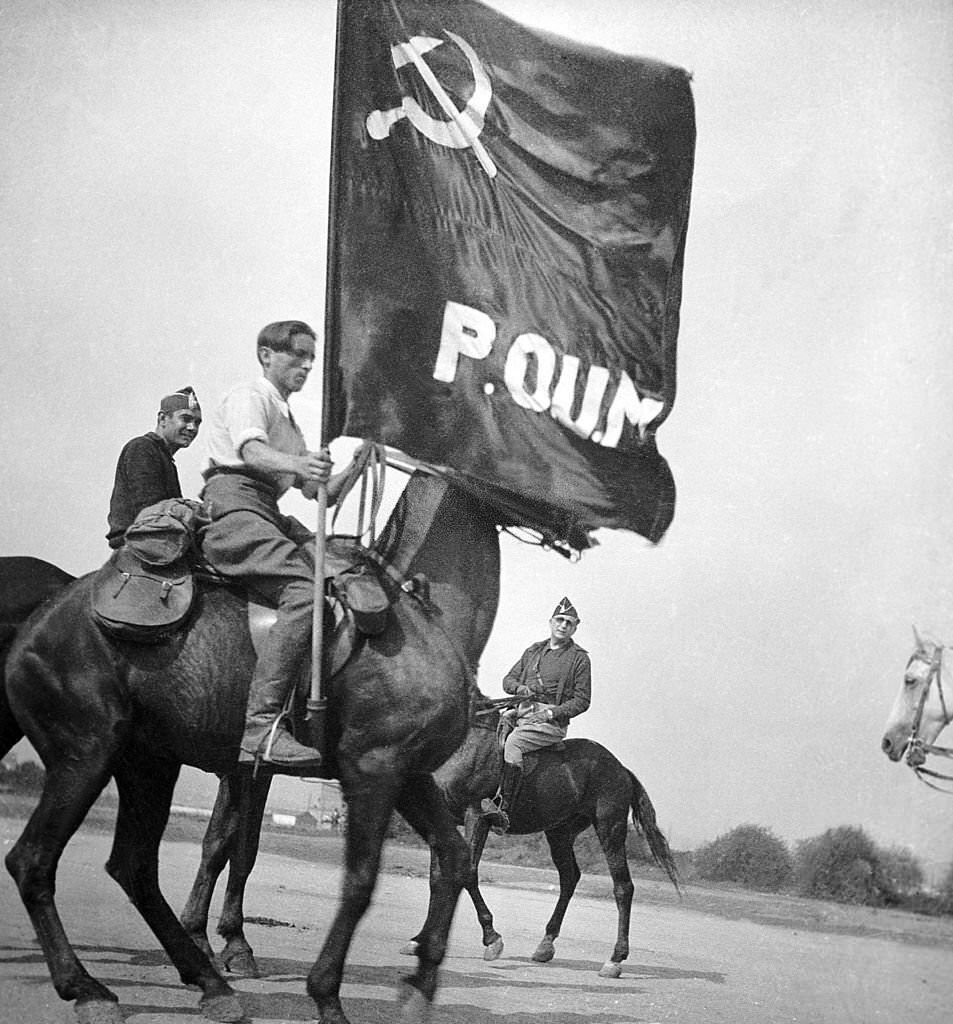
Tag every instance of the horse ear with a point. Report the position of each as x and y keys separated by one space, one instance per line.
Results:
x=917 y=639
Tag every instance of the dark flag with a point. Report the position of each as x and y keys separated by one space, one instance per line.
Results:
x=509 y=212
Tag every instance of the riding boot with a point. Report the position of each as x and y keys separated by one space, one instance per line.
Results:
x=496 y=810
x=269 y=739
x=266 y=733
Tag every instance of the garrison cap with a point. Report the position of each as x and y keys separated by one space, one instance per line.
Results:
x=184 y=398
x=565 y=608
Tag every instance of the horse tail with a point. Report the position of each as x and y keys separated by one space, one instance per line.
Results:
x=643 y=814
x=25 y=584
x=10 y=731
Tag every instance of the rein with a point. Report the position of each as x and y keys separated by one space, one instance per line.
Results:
x=496 y=704
x=916 y=748
x=368 y=466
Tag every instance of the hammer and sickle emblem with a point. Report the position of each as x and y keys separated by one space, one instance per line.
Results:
x=463 y=129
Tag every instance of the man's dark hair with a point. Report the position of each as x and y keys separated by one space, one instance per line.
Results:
x=277 y=336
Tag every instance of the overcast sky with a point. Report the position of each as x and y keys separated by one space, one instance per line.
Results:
x=163 y=194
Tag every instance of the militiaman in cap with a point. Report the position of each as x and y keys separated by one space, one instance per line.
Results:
x=184 y=398
x=565 y=608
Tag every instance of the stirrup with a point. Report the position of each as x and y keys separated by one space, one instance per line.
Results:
x=264 y=750
x=491 y=809
x=263 y=753
x=491 y=805
x=498 y=820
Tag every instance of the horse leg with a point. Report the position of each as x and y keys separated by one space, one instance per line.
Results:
x=368 y=814
x=247 y=797
x=70 y=788
x=560 y=847
x=145 y=796
x=221 y=846
x=612 y=836
x=217 y=846
x=425 y=809
x=476 y=830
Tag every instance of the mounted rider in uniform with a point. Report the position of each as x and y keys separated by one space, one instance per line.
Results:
x=555 y=677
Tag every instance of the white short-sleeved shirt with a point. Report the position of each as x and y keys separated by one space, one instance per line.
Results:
x=253 y=411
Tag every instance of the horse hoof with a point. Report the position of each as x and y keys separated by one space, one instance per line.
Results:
x=226 y=1009
x=545 y=951
x=410 y=949
x=242 y=965
x=414 y=1005
x=610 y=970
x=98 y=1011
x=493 y=951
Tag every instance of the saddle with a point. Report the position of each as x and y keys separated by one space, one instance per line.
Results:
x=531 y=758
x=357 y=605
x=146 y=589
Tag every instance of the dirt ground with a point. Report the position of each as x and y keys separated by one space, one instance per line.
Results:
x=709 y=957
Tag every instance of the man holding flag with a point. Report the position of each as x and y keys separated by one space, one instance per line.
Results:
x=509 y=213
x=256 y=452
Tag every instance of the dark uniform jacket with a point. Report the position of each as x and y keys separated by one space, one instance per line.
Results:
x=145 y=474
x=560 y=678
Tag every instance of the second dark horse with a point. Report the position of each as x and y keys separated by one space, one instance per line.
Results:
x=95 y=708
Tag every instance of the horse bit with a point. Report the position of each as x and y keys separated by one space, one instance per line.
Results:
x=917 y=750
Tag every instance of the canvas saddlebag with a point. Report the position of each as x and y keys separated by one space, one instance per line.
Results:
x=351 y=577
x=145 y=591
x=360 y=590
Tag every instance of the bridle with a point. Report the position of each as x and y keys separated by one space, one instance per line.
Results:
x=916 y=748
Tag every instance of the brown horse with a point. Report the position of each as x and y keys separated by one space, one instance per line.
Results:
x=564 y=791
x=96 y=708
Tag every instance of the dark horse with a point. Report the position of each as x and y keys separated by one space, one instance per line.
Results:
x=96 y=708
x=564 y=791
x=25 y=583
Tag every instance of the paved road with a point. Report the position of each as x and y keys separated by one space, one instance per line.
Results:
x=685 y=966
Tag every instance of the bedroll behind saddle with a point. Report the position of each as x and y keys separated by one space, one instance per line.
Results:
x=145 y=590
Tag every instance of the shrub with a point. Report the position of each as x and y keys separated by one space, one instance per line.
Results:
x=901 y=871
x=945 y=895
x=842 y=864
x=749 y=854
x=25 y=777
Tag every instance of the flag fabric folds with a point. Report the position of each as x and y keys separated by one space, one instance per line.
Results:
x=508 y=221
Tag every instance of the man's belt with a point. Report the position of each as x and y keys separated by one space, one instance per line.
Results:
x=239 y=471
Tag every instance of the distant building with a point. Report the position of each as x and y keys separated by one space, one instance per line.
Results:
x=287 y=795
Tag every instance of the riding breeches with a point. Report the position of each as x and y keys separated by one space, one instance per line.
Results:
x=525 y=738
x=246 y=546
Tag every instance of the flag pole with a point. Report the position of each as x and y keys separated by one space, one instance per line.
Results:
x=317 y=700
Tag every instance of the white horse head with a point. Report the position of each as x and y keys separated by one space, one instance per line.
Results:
x=924 y=705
